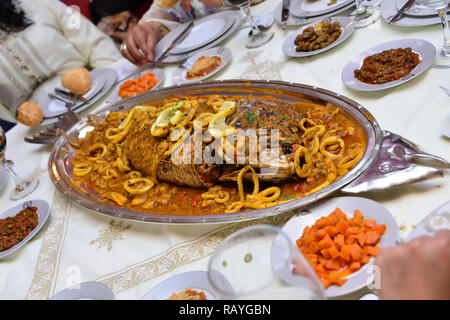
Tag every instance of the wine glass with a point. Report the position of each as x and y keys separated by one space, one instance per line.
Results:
x=262 y=263
x=441 y=6
x=257 y=37
x=23 y=187
x=365 y=16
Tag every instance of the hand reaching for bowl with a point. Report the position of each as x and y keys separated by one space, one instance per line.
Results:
x=419 y=269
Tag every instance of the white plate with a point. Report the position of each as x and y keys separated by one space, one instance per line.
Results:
x=417 y=10
x=110 y=76
x=425 y=50
x=159 y=74
x=53 y=108
x=233 y=18
x=314 y=8
x=388 y=9
x=179 y=76
x=435 y=221
x=86 y=291
x=347 y=27
x=370 y=209
x=3 y=176
x=295 y=21
x=203 y=32
x=196 y=280
x=43 y=210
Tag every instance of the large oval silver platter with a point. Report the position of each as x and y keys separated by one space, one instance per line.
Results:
x=60 y=167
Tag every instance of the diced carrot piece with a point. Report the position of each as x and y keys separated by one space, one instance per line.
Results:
x=342 y=262
x=320 y=234
x=325 y=253
x=340 y=214
x=322 y=222
x=312 y=248
x=319 y=269
x=332 y=219
x=339 y=240
x=312 y=258
x=352 y=230
x=362 y=237
x=356 y=252
x=341 y=282
x=326 y=283
x=354 y=266
x=325 y=243
x=333 y=265
x=352 y=239
x=365 y=259
x=333 y=252
x=342 y=226
x=373 y=251
x=358 y=214
x=372 y=238
x=370 y=223
x=345 y=253
x=332 y=231
x=381 y=228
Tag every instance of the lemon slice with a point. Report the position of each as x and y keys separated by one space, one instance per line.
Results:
x=217 y=126
x=176 y=117
x=229 y=106
x=156 y=131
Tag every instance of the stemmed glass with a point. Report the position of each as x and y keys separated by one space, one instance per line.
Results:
x=441 y=6
x=363 y=16
x=23 y=187
x=257 y=37
x=262 y=263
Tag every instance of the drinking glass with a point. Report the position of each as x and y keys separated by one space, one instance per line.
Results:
x=365 y=16
x=23 y=187
x=262 y=263
x=443 y=59
x=257 y=37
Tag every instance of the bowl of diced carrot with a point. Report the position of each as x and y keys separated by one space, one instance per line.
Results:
x=138 y=85
x=340 y=239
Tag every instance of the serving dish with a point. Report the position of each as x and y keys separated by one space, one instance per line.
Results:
x=347 y=27
x=196 y=280
x=86 y=291
x=297 y=21
x=370 y=209
x=43 y=211
x=425 y=50
x=311 y=8
x=159 y=74
x=179 y=76
x=361 y=178
x=233 y=19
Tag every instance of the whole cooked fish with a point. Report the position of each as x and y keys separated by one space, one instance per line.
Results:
x=144 y=151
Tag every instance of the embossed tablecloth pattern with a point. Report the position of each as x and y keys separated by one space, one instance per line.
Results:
x=131 y=258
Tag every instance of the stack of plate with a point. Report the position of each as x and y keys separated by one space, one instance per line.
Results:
x=207 y=32
x=417 y=15
x=102 y=81
x=306 y=11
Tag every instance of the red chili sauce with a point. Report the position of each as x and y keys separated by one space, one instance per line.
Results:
x=387 y=66
x=15 y=229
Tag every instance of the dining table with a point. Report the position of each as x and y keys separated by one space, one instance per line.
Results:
x=131 y=257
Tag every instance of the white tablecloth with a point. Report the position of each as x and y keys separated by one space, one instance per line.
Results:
x=79 y=245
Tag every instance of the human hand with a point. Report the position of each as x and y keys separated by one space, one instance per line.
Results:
x=419 y=269
x=139 y=44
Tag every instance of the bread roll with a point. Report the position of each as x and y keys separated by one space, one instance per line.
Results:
x=77 y=80
x=30 y=114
